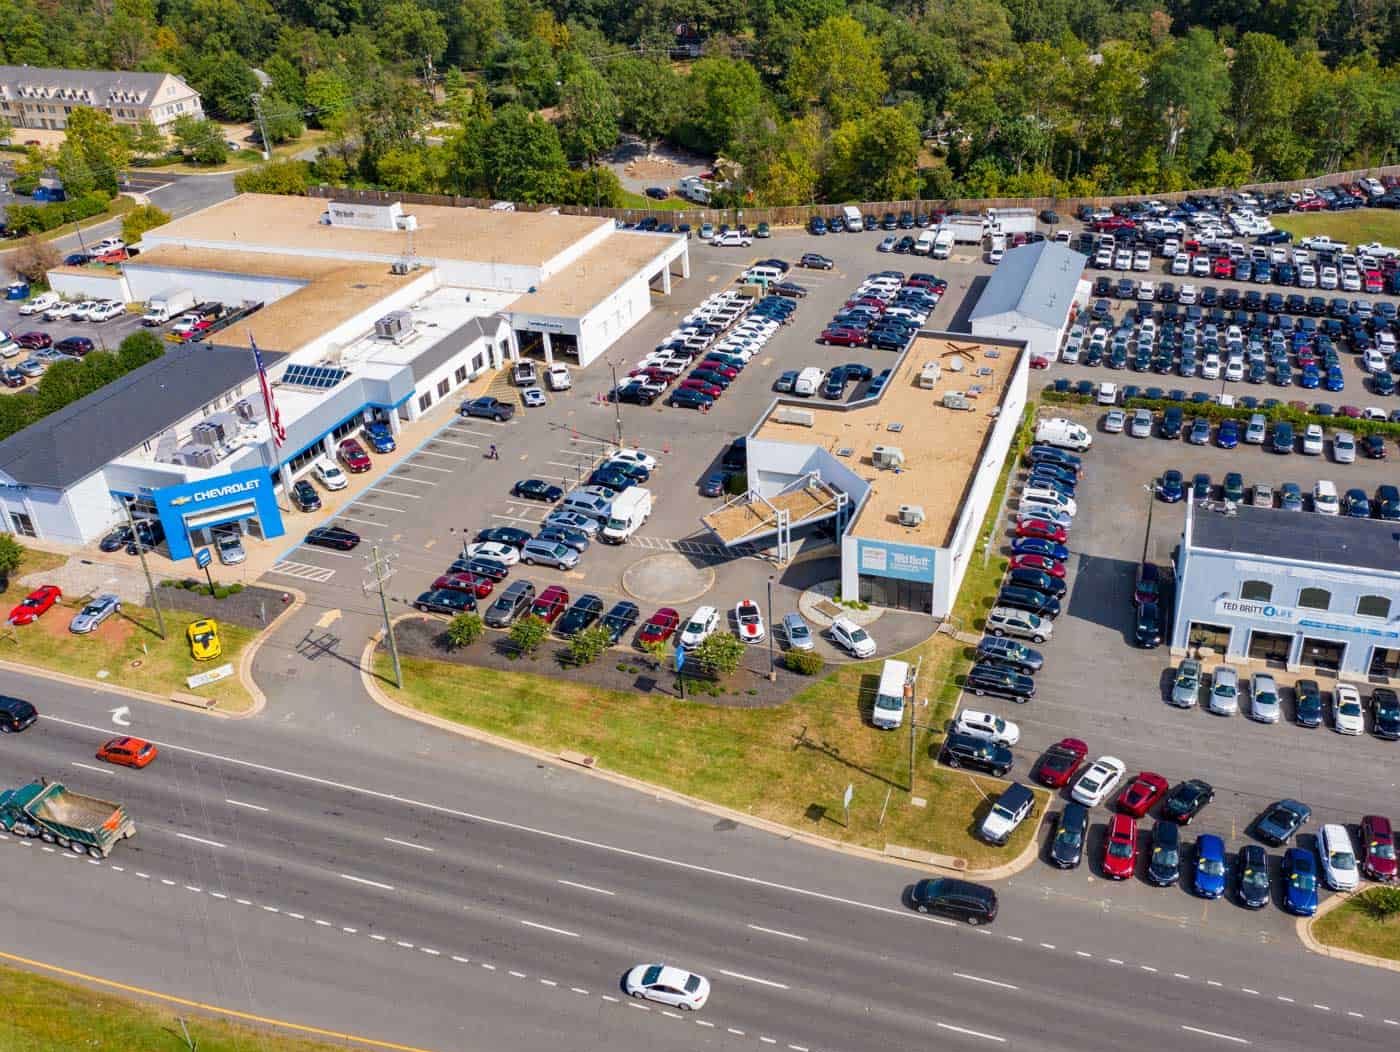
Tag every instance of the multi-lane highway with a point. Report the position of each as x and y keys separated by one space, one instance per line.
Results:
x=443 y=895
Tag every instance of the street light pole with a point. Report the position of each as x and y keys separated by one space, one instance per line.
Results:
x=772 y=668
x=617 y=403
x=146 y=569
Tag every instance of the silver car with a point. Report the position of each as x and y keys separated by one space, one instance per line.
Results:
x=1113 y=422
x=548 y=553
x=1187 y=685
x=1225 y=691
x=1141 y=426
x=93 y=614
x=1264 y=703
x=572 y=520
x=230 y=546
x=799 y=636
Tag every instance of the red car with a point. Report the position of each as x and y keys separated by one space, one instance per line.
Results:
x=35 y=603
x=656 y=374
x=1310 y=204
x=1141 y=793
x=702 y=386
x=842 y=337
x=1039 y=361
x=1223 y=267
x=714 y=365
x=1112 y=223
x=116 y=255
x=1374 y=283
x=550 y=603
x=867 y=301
x=465 y=582
x=1043 y=563
x=1377 y=849
x=1120 y=848
x=1060 y=763
x=128 y=752
x=354 y=457
x=34 y=341
x=659 y=626
x=1042 y=528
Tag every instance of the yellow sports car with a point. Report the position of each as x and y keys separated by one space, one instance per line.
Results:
x=204 y=639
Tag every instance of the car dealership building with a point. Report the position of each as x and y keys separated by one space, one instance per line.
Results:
x=368 y=313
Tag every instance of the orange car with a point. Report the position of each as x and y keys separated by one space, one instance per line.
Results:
x=128 y=752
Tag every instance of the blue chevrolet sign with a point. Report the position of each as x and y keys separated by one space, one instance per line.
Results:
x=210 y=502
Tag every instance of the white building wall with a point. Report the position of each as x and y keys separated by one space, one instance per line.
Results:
x=49 y=512
x=487 y=347
x=605 y=324
x=146 y=282
x=95 y=285
x=1042 y=340
x=91 y=507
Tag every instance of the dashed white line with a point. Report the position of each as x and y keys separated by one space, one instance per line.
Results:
x=753 y=979
x=1214 y=1033
x=297 y=916
x=200 y=840
x=579 y=990
x=546 y=927
x=243 y=902
x=970 y=1033
x=1114 y=960
x=488 y=967
x=587 y=887
x=461 y=960
x=548 y=982
x=324 y=923
x=90 y=767
x=1013 y=938
x=781 y=934
x=1047 y=945
x=350 y=931
x=191 y=887
x=218 y=894
x=370 y=883
x=167 y=883
x=250 y=807
x=1391 y=1022
x=1324 y=1008
x=609 y=997
x=1247 y=990
x=431 y=952
x=734 y=1031
x=1212 y=982
x=798 y=1048
x=1356 y=1015
x=643 y=1008
x=704 y=1022
x=1082 y=953
x=988 y=982
x=1180 y=975
x=272 y=909
x=405 y=945
x=671 y=1015
x=118 y=869
x=520 y=975
x=768 y=1040
x=380 y=938
x=405 y=843
x=1286 y=1000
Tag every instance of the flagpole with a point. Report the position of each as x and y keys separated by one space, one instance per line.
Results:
x=276 y=432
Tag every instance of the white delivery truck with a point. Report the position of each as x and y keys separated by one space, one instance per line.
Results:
x=967 y=230
x=924 y=246
x=942 y=243
x=630 y=509
x=1064 y=434
x=854 y=220
x=888 y=712
x=166 y=306
x=1012 y=220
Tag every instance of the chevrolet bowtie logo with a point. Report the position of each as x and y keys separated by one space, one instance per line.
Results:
x=177 y=501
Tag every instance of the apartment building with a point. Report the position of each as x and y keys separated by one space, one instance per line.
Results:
x=31 y=97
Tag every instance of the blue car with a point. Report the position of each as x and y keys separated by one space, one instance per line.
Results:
x=1228 y=437
x=1334 y=380
x=1038 y=546
x=1209 y=881
x=1277 y=825
x=713 y=485
x=1171 y=488
x=1299 y=874
x=1308 y=379
x=380 y=437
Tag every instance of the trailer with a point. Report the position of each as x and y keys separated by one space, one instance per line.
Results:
x=1011 y=220
x=57 y=815
x=966 y=229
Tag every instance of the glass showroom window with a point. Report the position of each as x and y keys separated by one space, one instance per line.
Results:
x=1373 y=606
x=1257 y=591
x=1315 y=598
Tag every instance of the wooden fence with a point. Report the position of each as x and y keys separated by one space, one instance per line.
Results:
x=798 y=215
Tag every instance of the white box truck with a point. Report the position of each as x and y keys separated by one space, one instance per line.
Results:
x=630 y=509
x=167 y=306
x=854 y=220
x=888 y=712
x=942 y=243
x=967 y=230
x=1012 y=220
x=924 y=245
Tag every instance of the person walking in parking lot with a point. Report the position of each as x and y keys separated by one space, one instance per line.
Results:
x=493 y=453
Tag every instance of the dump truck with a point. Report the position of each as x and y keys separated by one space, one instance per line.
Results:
x=57 y=815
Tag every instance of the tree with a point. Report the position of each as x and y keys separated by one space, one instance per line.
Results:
x=1186 y=92
x=148 y=140
x=139 y=348
x=650 y=96
x=327 y=95
x=201 y=140
x=7 y=130
x=465 y=629
x=281 y=118
x=838 y=66
x=597 y=187
x=719 y=655
x=874 y=158
x=1380 y=903
x=588 y=114
x=589 y=644
x=524 y=161
x=413 y=32
x=33 y=260
x=724 y=99
x=287 y=82
x=140 y=219
x=528 y=634
x=412 y=168
x=93 y=142
x=11 y=554
x=275 y=177
x=226 y=83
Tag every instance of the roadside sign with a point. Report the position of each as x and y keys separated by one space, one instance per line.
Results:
x=680 y=658
x=202 y=558
x=203 y=679
x=850 y=795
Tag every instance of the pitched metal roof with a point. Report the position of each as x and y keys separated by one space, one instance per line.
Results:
x=454 y=343
x=67 y=446
x=100 y=82
x=1339 y=541
x=1036 y=282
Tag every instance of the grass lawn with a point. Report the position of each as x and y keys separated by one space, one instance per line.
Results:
x=789 y=764
x=129 y=650
x=33 y=561
x=671 y=204
x=1356 y=227
x=47 y=1015
x=238 y=160
x=1351 y=927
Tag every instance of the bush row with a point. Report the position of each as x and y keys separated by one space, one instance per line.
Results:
x=36 y=219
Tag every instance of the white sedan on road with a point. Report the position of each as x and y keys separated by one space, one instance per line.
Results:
x=670 y=986
x=1347 y=714
x=505 y=554
x=1099 y=779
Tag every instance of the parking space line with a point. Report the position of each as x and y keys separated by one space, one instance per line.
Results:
x=453 y=442
x=379 y=507
x=445 y=456
x=362 y=522
x=303 y=571
x=322 y=551
x=392 y=493
x=407 y=478
x=430 y=467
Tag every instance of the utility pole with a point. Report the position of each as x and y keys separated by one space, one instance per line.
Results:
x=909 y=692
x=262 y=126
x=383 y=570
x=617 y=403
x=145 y=568
x=772 y=628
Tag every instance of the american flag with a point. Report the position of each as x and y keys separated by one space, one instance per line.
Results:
x=274 y=418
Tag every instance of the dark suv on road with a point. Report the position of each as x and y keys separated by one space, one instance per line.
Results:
x=16 y=714
x=974 y=903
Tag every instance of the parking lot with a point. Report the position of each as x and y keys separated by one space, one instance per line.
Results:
x=105 y=335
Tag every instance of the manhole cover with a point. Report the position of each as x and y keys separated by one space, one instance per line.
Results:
x=137 y=663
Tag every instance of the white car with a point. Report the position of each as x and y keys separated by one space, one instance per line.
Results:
x=1373 y=361
x=1347 y=714
x=751 y=627
x=634 y=457
x=505 y=554
x=106 y=311
x=1312 y=440
x=1099 y=779
x=108 y=244
x=1181 y=264
x=39 y=303
x=988 y=726
x=1008 y=811
x=1200 y=266
x=1339 y=867
x=558 y=378
x=848 y=635
x=1142 y=259
x=83 y=311
x=1327 y=278
x=701 y=626
x=329 y=475
x=669 y=986
x=1263 y=694
x=1187 y=294
x=1224 y=692
x=60 y=310
x=1343 y=447
x=1234 y=369
x=732 y=239
x=1114 y=421
x=1351 y=280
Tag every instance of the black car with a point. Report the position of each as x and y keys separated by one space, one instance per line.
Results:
x=1186 y=800
x=1010 y=653
x=490 y=408
x=974 y=903
x=304 y=496
x=537 y=489
x=516 y=538
x=583 y=613
x=963 y=750
x=450 y=601
x=16 y=714
x=1147 y=625
x=1307 y=703
x=1071 y=832
x=620 y=619
x=1253 y=888
x=835 y=385
x=993 y=678
x=1039 y=580
x=613 y=478
x=481 y=567
x=857 y=373
x=686 y=398
x=1028 y=599
x=565 y=535
x=149 y=533
x=116 y=540
x=633 y=392
x=1164 y=862
x=1385 y=713
x=1051 y=455
x=336 y=537
x=790 y=289
x=816 y=261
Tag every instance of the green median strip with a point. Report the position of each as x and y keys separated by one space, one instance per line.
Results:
x=1368 y=923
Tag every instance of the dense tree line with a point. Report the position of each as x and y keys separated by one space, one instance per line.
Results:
x=811 y=99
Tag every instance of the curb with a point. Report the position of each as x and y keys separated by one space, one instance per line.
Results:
x=245 y=664
x=1305 y=936
x=659 y=792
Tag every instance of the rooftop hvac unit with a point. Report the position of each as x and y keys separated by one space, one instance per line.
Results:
x=400 y=267
x=887 y=457
x=199 y=456
x=791 y=414
x=245 y=410
x=396 y=325
x=167 y=447
x=207 y=433
x=911 y=514
x=408 y=222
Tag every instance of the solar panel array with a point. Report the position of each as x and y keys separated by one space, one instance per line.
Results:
x=316 y=377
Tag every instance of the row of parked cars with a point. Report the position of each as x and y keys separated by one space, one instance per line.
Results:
x=885 y=311
x=1224 y=696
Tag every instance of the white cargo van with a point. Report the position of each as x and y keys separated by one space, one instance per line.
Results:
x=889 y=695
x=164 y=306
x=808 y=381
x=942 y=243
x=1063 y=433
x=924 y=245
x=854 y=220
x=630 y=509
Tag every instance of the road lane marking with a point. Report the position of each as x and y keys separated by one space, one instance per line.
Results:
x=765 y=1040
x=488 y=967
x=546 y=927
x=405 y=945
x=408 y=478
x=1214 y=1033
x=579 y=990
x=1114 y=960
x=200 y=840
x=1247 y=990
x=753 y=979
x=671 y=1015
x=427 y=467
x=380 y=938
x=1286 y=1000
x=781 y=934
x=1180 y=975
x=1148 y=968
x=1082 y=953
x=1356 y=1015
x=405 y=843
x=250 y=807
x=434 y=953
x=551 y=982
x=587 y=887
x=733 y=1031
x=1325 y=1008
x=1212 y=982
x=519 y=975
x=461 y=960
x=1047 y=945
x=970 y=1033
x=90 y=767
x=370 y=883
x=989 y=982
x=435 y=453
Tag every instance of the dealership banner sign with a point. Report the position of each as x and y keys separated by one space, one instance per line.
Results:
x=1298 y=617
x=902 y=561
